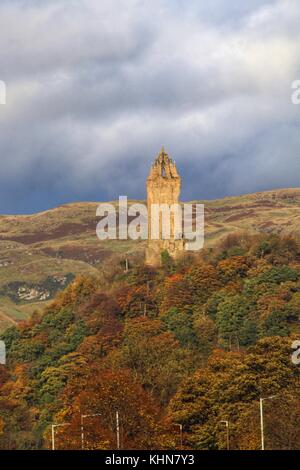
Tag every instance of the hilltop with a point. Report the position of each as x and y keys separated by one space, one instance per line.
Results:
x=41 y=253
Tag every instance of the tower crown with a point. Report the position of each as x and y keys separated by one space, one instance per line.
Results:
x=163 y=166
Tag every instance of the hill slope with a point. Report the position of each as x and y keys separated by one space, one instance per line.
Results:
x=188 y=344
x=41 y=253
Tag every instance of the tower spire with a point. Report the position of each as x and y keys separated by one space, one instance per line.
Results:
x=163 y=166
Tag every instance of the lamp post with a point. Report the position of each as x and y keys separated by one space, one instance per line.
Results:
x=118 y=430
x=181 y=433
x=227 y=433
x=82 y=426
x=53 y=427
x=261 y=400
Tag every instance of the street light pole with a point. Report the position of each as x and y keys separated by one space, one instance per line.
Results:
x=53 y=427
x=53 y=436
x=227 y=433
x=118 y=430
x=181 y=434
x=181 y=437
x=82 y=431
x=82 y=426
x=262 y=434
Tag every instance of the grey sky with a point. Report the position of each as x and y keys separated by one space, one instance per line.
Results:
x=95 y=87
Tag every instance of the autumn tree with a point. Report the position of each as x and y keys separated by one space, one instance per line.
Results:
x=105 y=392
x=155 y=356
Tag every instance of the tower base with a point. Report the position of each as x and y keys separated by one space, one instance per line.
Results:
x=175 y=248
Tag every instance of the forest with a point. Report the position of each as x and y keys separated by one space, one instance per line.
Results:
x=177 y=353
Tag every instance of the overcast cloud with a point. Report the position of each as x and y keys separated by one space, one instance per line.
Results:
x=95 y=87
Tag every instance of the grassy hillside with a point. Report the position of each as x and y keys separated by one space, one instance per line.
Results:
x=41 y=253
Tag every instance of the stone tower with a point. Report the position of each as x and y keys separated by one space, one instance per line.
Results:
x=163 y=187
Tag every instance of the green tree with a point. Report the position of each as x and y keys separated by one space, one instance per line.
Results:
x=180 y=323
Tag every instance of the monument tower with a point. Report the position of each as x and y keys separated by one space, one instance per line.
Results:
x=163 y=187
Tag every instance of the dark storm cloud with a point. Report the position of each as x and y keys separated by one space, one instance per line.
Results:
x=95 y=88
